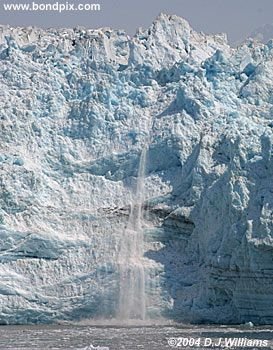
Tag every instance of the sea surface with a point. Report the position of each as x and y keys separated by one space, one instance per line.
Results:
x=152 y=337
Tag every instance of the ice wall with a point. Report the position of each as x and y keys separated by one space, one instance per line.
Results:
x=75 y=109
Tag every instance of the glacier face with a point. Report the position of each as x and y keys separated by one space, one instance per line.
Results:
x=77 y=108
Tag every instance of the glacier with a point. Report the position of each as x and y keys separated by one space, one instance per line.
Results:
x=78 y=106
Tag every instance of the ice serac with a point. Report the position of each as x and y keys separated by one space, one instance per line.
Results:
x=77 y=108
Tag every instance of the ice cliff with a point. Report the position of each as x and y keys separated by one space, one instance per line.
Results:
x=77 y=108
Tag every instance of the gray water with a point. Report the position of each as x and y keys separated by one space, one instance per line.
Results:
x=126 y=338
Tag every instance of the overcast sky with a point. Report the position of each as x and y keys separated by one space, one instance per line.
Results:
x=237 y=18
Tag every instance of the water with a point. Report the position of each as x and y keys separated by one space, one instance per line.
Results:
x=124 y=338
x=131 y=268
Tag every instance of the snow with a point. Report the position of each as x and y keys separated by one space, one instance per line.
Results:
x=77 y=108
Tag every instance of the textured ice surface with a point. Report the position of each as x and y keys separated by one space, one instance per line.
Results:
x=77 y=106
